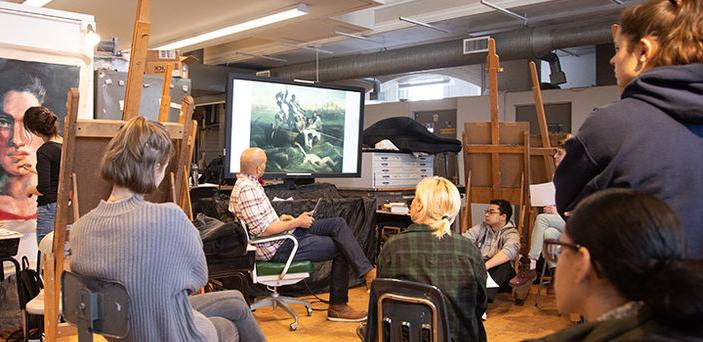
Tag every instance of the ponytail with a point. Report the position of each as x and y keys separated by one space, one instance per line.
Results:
x=672 y=291
x=441 y=227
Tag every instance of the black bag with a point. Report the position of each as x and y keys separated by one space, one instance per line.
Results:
x=29 y=286
x=221 y=240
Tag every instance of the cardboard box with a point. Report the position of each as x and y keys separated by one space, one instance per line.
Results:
x=156 y=65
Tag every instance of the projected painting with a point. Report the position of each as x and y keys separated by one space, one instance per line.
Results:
x=300 y=128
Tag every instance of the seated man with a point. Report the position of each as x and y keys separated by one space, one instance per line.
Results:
x=326 y=239
x=499 y=243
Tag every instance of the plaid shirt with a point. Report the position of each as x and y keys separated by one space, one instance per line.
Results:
x=452 y=263
x=249 y=202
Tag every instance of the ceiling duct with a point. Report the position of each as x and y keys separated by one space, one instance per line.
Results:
x=512 y=45
x=556 y=75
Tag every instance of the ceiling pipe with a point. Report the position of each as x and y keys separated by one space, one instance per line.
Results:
x=512 y=45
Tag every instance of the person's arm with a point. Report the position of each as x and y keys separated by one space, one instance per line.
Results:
x=510 y=242
x=472 y=233
x=190 y=258
x=573 y=174
x=304 y=220
x=43 y=175
x=497 y=260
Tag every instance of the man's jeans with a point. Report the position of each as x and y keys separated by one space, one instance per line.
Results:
x=322 y=242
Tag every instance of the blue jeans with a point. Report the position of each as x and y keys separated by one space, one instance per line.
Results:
x=547 y=226
x=225 y=308
x=329 y=239
x=46 y=216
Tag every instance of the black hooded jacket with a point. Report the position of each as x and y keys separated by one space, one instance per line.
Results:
x=651 y=140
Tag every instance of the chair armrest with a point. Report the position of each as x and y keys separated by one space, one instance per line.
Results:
x=277 y=238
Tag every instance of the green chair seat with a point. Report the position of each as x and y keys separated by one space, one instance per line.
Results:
x=275 y=268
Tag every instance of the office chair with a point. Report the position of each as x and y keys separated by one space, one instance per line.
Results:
x=402 y=310
x=275 y=274
x=95 y=306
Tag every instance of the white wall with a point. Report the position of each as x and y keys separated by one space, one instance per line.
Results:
x=50 y=36
x=476 y=109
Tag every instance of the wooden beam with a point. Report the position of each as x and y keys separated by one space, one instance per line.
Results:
x=108 y=128
x=137 y=61
x=493 y=65
x=165 y=104
x=183 y=157
x=541 y=119
x=54 y=288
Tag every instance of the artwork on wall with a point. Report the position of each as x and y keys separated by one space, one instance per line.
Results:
x=25 y=84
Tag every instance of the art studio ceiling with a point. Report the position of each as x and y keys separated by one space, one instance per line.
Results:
x=290 y=41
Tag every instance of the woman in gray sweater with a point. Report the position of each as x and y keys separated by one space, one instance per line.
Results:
x=153 y=249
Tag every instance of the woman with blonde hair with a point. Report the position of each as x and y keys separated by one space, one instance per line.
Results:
x=153 y=249
x=428 y=252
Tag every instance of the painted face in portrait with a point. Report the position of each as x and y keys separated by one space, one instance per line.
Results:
x=17 y=145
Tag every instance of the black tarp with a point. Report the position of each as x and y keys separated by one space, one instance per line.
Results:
x=408 y=135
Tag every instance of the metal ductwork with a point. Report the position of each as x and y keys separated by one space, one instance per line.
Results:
x=556 y=75
x=512 y=45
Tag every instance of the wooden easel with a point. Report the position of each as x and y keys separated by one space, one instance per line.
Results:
x=85 y=142
x=496 y=155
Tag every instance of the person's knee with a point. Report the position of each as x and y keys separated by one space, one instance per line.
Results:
x=226 y=330
x=543 y=220
x=339 y=223
x=551 y=233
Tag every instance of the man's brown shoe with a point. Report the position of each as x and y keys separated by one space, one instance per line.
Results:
x=369 y=277
x=345 y=313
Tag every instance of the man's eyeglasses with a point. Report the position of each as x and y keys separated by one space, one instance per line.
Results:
x=552 y=249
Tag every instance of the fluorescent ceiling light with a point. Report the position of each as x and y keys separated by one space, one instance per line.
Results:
x=36 y=3
x=299 y=10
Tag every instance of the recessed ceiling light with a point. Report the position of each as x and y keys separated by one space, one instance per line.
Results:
x=36 y=3
x=299 y=10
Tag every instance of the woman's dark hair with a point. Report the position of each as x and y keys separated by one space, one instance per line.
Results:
x=41 y=120
x=635 y=242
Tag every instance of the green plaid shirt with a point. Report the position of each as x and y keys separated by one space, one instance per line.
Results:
x=452 y=263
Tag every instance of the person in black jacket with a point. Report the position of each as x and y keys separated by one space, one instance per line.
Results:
x=41 y=122
x=651 y=139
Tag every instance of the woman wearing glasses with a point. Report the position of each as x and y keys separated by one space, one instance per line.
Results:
x=621 y=264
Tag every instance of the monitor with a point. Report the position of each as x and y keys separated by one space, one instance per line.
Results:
x=307 y=130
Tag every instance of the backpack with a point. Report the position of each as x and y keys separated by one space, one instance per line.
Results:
x=29 y=285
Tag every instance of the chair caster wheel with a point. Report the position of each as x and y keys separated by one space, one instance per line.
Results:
x=309 y=311
x=293 y=326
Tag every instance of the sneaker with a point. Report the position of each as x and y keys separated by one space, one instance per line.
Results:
x=369 y=277
x=345 y=313
x=523 y=277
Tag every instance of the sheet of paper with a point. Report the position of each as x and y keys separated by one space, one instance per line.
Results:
x=542 y=195
x=490 y=283
x=276 y=199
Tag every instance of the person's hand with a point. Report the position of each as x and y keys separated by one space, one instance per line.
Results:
x=305 y=220
x=286 y=217
x=550 y=209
